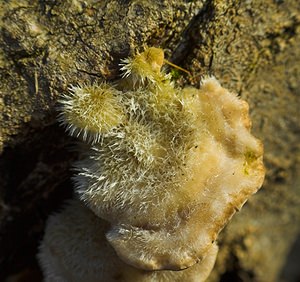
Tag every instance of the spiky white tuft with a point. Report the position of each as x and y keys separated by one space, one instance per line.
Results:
x=145 y=68
x=90 y=112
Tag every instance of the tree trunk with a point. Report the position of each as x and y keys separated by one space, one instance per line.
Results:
x=251 y=47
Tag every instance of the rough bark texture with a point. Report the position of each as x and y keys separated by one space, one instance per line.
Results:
x=252 y=47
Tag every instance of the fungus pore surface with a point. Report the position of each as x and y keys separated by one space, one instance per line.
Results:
x=165 y=170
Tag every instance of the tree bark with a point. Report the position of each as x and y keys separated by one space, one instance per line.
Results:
x=252 y=47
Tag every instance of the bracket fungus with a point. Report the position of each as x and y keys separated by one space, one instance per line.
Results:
x=165 y=170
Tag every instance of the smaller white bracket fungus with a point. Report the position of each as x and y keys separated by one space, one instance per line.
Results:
x=75 y=249
x=168 y=167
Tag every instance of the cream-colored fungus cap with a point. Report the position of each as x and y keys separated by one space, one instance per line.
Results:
x=214 y=169
x=75 y=249
x=168 y=171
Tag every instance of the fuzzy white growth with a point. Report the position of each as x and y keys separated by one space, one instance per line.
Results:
x=91 y=111
x=189 y=151
x=145 y=67
x=172 y=168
